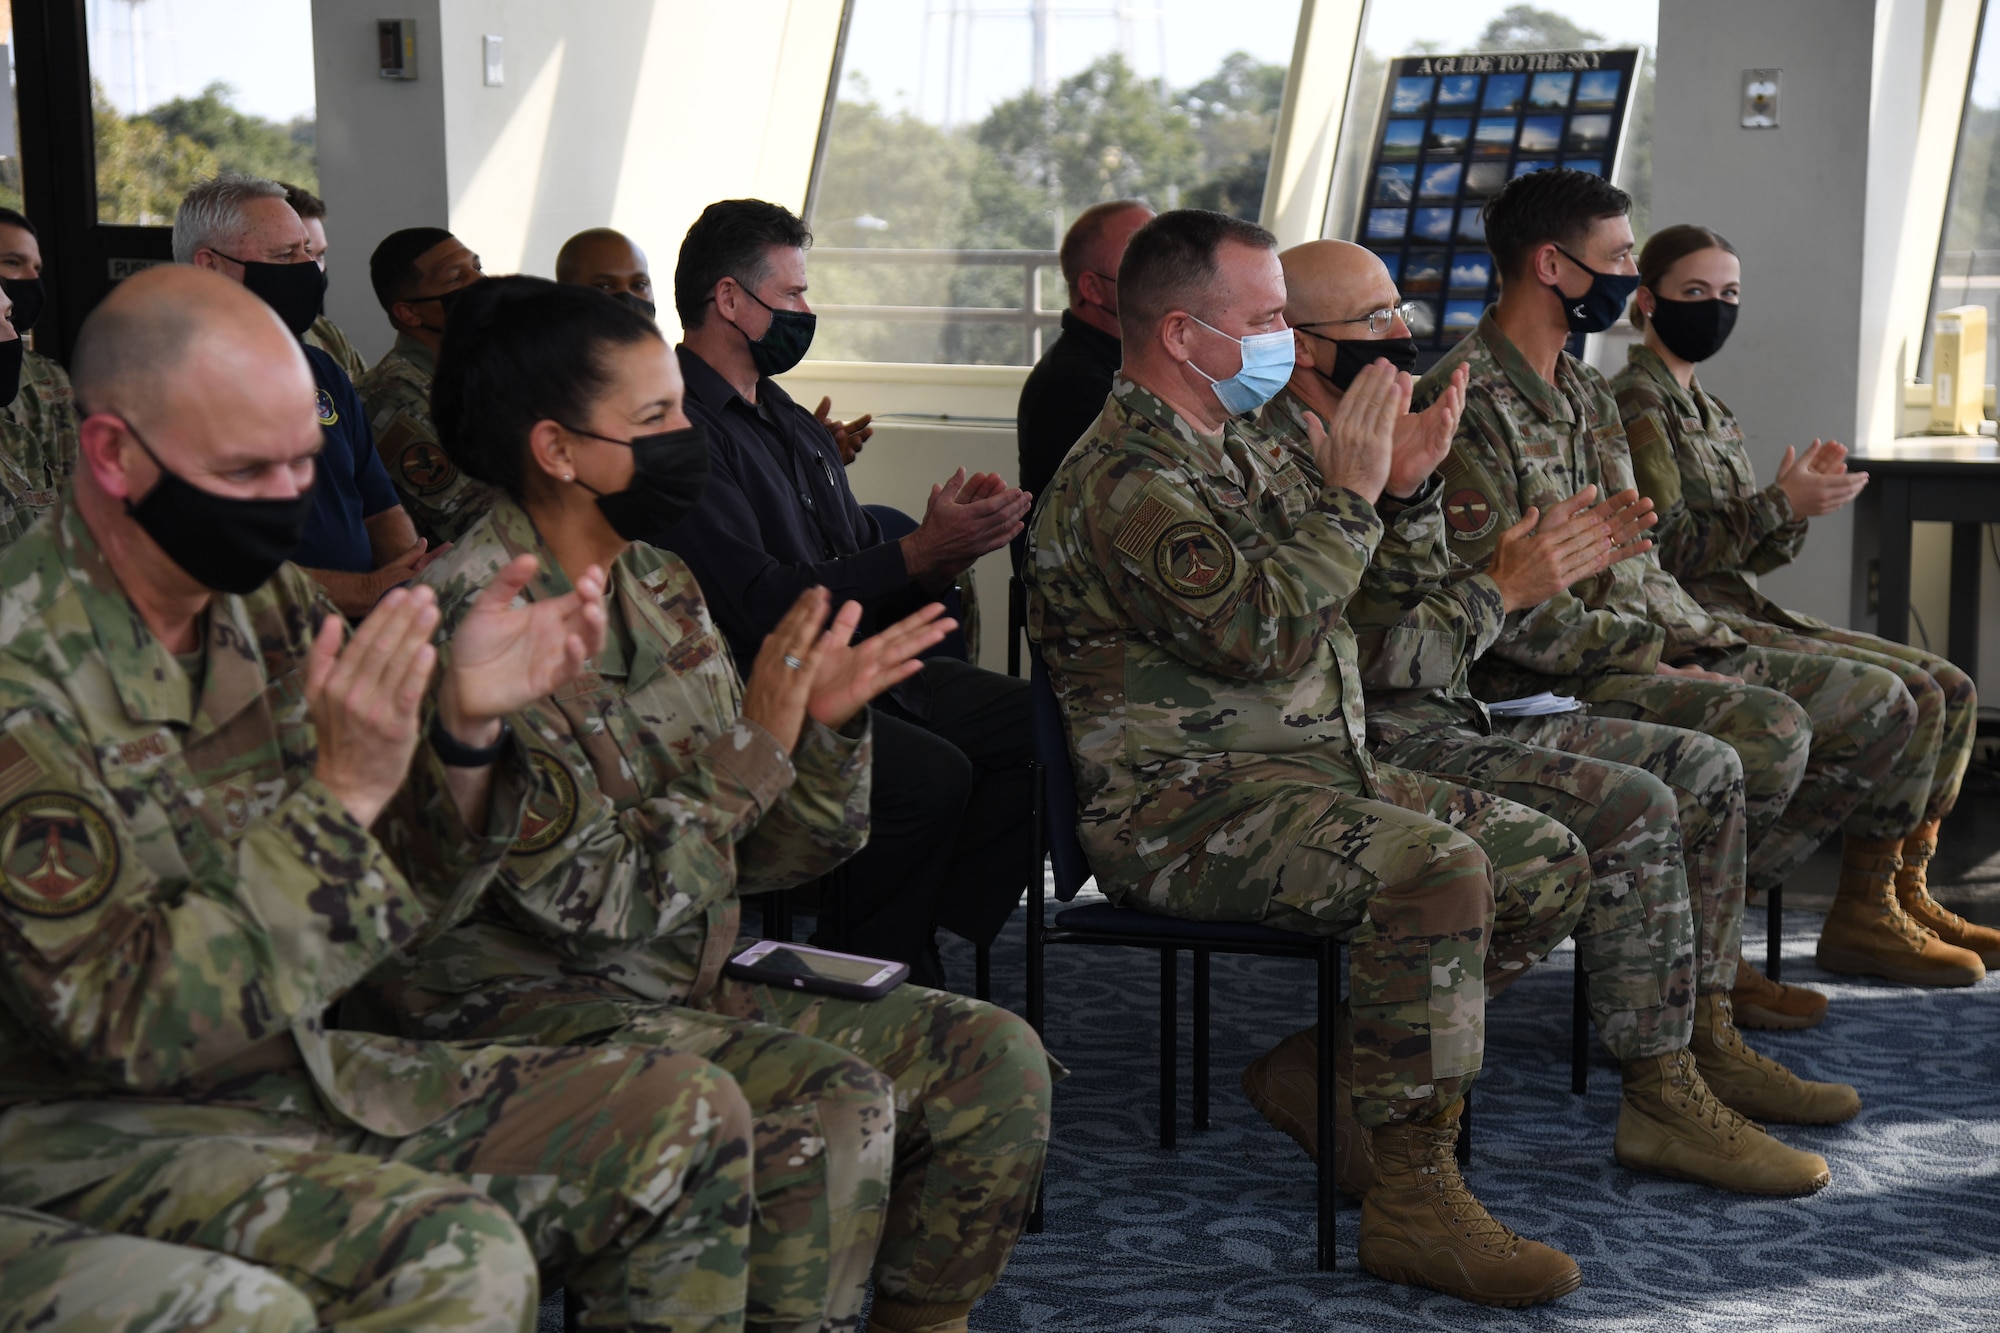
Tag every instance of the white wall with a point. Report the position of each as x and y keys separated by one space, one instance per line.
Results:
x=1792 y=201
x=381 y=151
x=633 y=114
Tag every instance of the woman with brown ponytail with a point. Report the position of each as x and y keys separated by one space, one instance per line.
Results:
x=1718 y=530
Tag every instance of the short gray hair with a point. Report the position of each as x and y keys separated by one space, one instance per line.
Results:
x=212 y=211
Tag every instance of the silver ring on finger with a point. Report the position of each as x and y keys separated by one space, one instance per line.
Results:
x=793 y=662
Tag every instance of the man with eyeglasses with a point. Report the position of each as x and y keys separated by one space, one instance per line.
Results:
x=1066 y=390
x=1659 y=809
x=417 y=273
x=1186 y=578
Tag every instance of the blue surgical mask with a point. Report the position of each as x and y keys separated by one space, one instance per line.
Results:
x=1599 y=308
x=1268 y=359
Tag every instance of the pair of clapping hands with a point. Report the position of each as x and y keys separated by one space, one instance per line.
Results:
x=366 y=696
x=1375 y=443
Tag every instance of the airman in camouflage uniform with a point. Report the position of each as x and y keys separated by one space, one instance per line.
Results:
x=657 y=805
x=1814 y=733
x=37 y=445
x=1718 y=530
x=327 y=336
x=443 y=500
x=57 y=1277
x=183 y=893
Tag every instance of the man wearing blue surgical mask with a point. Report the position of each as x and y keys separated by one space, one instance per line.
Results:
x=359 y=542
x=1187 y=574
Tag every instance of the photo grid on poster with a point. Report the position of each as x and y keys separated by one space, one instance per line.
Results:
x=1454 y=129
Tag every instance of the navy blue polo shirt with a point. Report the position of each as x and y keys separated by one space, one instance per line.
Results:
x=350 y=484
x=777 y=516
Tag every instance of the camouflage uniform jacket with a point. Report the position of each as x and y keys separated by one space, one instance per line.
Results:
x=1717 y=530
x=1524 y=441
x=1186 y=593
x=38 y=438
x=1421 y=616
x=656 y=802
x=180 y=897
x=326 y=335
x=442 y=501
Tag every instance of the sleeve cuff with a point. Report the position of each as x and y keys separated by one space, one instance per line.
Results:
x=751 y=757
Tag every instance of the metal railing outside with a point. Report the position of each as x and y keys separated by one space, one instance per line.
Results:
x=1030 y=316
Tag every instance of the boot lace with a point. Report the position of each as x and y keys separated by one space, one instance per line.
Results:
x=1440 y=1165
x=1900 y=921
x=1729 y=1038
x=1700 y=1101
x=1920 y=894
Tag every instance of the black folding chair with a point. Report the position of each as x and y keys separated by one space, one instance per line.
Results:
x=1125 y=927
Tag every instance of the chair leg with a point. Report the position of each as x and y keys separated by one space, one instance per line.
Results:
x=1465 y=1133
x=1329 y=1150
x=1169 y=1047
x=1774 y=925
x=1579 y=1029
x=1201 y=1039
x=982 y=972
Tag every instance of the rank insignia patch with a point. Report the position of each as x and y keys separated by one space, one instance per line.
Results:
x=1194 y=559
x=1469 y=514
x=324 y=401
x=551 y=806
x=425 y=467
x=58 y=855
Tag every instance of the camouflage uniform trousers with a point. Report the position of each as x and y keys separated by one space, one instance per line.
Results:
x=1924 y=783
x=623 y=1175
x=57 y=1277
x=1815 y=734
x=1443 y=897
x=908 y=1131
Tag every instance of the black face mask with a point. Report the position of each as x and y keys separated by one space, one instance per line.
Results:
x=642 y=305
x=669 y=470
x=296 y=291
x=223 y=542
x=29 y=298
x=445 y=301
x=1599 y=308
x=1351 y=356
x=11 y=353
x=1693 y=330
x=784 y=344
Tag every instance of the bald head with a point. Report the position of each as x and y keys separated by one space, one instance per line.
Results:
x=205 y=371
x=1328 y=281
x=607 y=260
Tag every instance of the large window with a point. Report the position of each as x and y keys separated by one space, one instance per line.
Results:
x=181 y=89
x=967 y=133
x=1968 y=271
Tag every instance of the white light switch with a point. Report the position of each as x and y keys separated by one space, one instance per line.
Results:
x=496 y=63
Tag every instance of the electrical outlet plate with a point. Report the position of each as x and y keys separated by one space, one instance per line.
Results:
x=492 y=48
x=1760 y=98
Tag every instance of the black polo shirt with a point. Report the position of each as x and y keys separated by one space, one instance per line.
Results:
x=777 y=516
x=1062 y=397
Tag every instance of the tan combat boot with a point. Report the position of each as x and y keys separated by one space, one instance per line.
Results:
x=1914 y=894
x=1670 y=1124
x=1756 y=1085
x=1421 y=1226
x=1281 y=1084
x=891 y=1316
x=1867 y=932
x=1760 y=1002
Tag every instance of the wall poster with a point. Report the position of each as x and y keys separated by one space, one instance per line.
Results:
x=1454 y=129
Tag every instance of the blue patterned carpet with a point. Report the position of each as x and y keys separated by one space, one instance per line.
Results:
x=1219 y=1235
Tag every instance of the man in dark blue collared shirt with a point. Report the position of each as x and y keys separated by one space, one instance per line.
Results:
x=359 y=542
x=949 y=811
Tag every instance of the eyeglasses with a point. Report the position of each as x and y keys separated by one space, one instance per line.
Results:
x=1378 y=321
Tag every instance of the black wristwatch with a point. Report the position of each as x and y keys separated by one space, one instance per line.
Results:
x=455 y=753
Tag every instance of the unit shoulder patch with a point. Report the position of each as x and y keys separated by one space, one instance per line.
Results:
x=58 y=855
x=551 y=807
x=425 y=468
x=323 y=401
x=1469 y=514
x=1194 y=559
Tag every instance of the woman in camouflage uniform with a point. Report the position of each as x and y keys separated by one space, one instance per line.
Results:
x=1717 y=531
